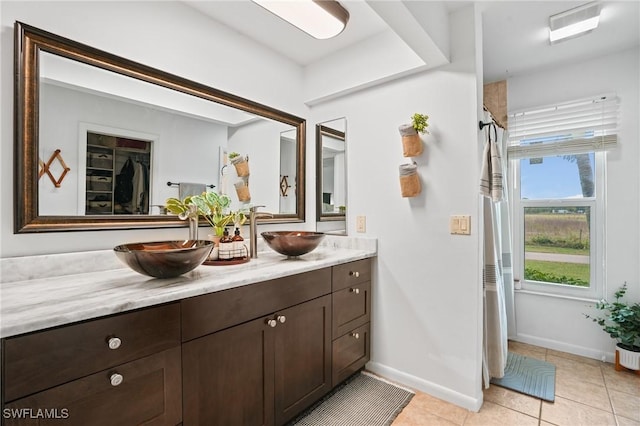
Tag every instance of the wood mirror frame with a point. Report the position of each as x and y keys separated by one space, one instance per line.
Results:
x=29 y=42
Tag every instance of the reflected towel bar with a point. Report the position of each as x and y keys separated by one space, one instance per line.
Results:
x=177 y=184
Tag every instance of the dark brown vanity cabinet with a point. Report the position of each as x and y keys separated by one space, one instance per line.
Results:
x=124 y=369
x=260 y=354
x=351 y=300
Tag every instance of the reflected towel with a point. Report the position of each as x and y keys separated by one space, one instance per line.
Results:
x=186 y=189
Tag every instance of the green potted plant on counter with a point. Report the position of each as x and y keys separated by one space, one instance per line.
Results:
x=621 y=321
x=213 y=207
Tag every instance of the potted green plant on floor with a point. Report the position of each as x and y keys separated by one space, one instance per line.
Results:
x=621 y=320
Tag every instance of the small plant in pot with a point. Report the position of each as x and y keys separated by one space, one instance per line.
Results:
x=240 y=163
x=411 y=142
x=621 y=321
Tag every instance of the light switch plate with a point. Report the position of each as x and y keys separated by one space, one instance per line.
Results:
x=361 y=224
x=460 y=225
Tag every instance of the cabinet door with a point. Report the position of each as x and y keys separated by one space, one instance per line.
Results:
x=303 y=356
x=146 y=391
x=228 y=377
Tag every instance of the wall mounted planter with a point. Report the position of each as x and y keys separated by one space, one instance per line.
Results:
x=409 y=180
x=411 y=143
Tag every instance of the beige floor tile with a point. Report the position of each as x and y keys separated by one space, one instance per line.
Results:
x=582 y=359
x=585 y=372
x=425 y=403
x=564 y=412
x=527 y=350
x=514 y=400
x=625 y=405
x=623 y=421
x=623 y=381
x=571 y=387
x=497 y=415
x=413 y=417
x=542 y=423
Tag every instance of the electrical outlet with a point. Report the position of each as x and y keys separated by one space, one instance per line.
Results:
x=361 y=224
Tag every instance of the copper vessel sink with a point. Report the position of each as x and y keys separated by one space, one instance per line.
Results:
x=164 y=259
x=292 y=243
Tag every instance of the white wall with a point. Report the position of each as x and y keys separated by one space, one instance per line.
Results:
x=169 y=36
x=427 y=289
x=559 y=323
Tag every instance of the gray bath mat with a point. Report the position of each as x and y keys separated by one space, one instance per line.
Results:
x=529 y=376
x=362 y=401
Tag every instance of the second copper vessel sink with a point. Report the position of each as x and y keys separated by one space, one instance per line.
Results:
x=293 y=243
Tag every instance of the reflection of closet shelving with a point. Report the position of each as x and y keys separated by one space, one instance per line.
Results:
x=106 y=156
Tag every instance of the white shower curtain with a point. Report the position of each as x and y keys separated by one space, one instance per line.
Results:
x=497 y=254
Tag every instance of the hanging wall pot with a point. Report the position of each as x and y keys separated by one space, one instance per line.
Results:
x=242 y=189
x=409 y=180
x=411 y=143
x=240 y=163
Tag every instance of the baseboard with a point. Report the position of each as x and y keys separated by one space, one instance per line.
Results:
x=425 y=386
x=565 y=347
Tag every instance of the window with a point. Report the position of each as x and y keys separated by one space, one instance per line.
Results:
x=557 y=169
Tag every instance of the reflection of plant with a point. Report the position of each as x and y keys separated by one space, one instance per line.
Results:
x=210 y=205
x=233 y=155
x=621 y=320
x=419 y=122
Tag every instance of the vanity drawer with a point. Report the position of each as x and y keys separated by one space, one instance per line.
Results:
x=351 y=307
x=350 y=353
x=348 y=274
x=146 y=391
x=44 y=359
x=213 y=312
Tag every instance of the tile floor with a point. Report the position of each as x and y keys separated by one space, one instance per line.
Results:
x=588 y=392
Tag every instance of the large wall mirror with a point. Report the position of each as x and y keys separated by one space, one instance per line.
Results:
x=331 y=176
x=102 y=142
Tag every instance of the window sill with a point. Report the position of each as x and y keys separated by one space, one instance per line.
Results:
x=557 y=296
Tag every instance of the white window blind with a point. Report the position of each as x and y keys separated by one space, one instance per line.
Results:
x=575 y=127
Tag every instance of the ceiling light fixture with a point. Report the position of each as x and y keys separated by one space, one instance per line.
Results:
x=320 y=19
x=574 y=22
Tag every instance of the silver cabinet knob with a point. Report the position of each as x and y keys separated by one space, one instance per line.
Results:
x=272 y=323
x=114 y=343
x=281 y=318
x=355 y=335
x=355 y=290
x=116 y=379
x=354 y=274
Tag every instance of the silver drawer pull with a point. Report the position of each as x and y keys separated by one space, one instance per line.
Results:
x=355 y=335
x=355 y=290
x=271 y=322
x=281 y=318
x=116 y=379
x=354 y=274
x=114 y=343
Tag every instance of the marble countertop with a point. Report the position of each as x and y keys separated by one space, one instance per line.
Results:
x=35 y=304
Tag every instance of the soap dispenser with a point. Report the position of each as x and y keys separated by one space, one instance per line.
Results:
x=225 y=250
x=239 y=249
